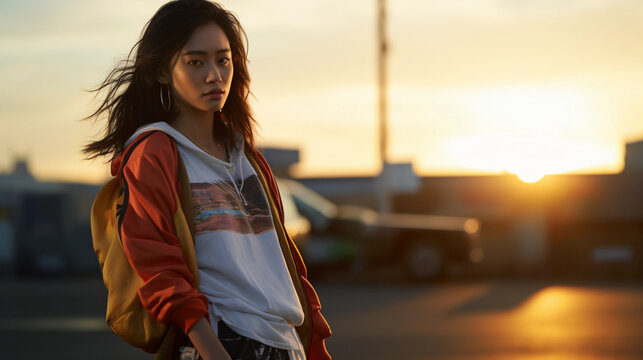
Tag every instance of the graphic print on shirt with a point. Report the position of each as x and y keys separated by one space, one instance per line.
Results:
x=218 y=207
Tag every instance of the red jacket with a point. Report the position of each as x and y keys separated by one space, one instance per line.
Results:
x=149 y=235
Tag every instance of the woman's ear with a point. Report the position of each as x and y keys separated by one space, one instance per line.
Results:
x=163 y=78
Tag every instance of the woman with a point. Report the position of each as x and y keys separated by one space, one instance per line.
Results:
x=184 y=96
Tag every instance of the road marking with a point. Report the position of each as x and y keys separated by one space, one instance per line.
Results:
x=87 y=324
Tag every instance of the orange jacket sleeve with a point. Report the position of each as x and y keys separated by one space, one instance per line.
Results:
x=150 y=182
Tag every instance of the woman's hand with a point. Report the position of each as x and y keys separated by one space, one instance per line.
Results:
x=206 y=342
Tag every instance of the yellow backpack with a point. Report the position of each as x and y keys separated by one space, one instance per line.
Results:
x=125 y=314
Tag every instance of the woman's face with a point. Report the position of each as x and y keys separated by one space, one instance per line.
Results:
x=202 y=71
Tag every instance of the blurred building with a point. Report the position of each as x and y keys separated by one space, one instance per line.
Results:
x=281 y=160
x=44 y=226
x=634 y=157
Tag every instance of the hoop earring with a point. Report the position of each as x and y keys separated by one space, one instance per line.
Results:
x=169 y=98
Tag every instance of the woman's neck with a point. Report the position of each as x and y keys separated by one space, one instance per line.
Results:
x=197 y=126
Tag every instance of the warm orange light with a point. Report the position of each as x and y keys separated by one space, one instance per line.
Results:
x=530 y=132
x=549 y=301
x=545 y=315
x=472 y=226
x=530 y=176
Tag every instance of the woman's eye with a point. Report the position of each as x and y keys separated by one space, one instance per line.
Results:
x=194 y=62
x=224 y=61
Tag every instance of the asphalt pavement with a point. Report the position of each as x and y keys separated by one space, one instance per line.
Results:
x=371 y=319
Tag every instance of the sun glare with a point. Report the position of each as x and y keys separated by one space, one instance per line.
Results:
x=530 y=133
x=530 y=176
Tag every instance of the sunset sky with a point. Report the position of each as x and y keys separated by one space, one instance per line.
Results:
x=476 y=86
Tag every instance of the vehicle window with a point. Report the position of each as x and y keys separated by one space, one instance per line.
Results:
x=313 y=199
x=291 y=215
x=311 y=205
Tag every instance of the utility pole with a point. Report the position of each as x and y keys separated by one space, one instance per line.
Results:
x=382 y=188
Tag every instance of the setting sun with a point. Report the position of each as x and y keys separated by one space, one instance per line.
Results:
x=532 y=132
x=530 y=177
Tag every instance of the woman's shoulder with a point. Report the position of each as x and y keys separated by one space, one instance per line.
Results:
x=153 y=147
x=153 y=136
x=152 y=142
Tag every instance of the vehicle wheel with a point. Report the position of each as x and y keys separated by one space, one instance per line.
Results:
x=424 y=260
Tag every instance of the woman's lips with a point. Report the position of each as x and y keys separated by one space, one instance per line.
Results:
x=214 y=94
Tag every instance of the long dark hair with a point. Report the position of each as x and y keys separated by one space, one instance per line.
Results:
x=132 y=89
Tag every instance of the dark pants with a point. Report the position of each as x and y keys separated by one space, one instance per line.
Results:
x=239 y=347
x=243 y=348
